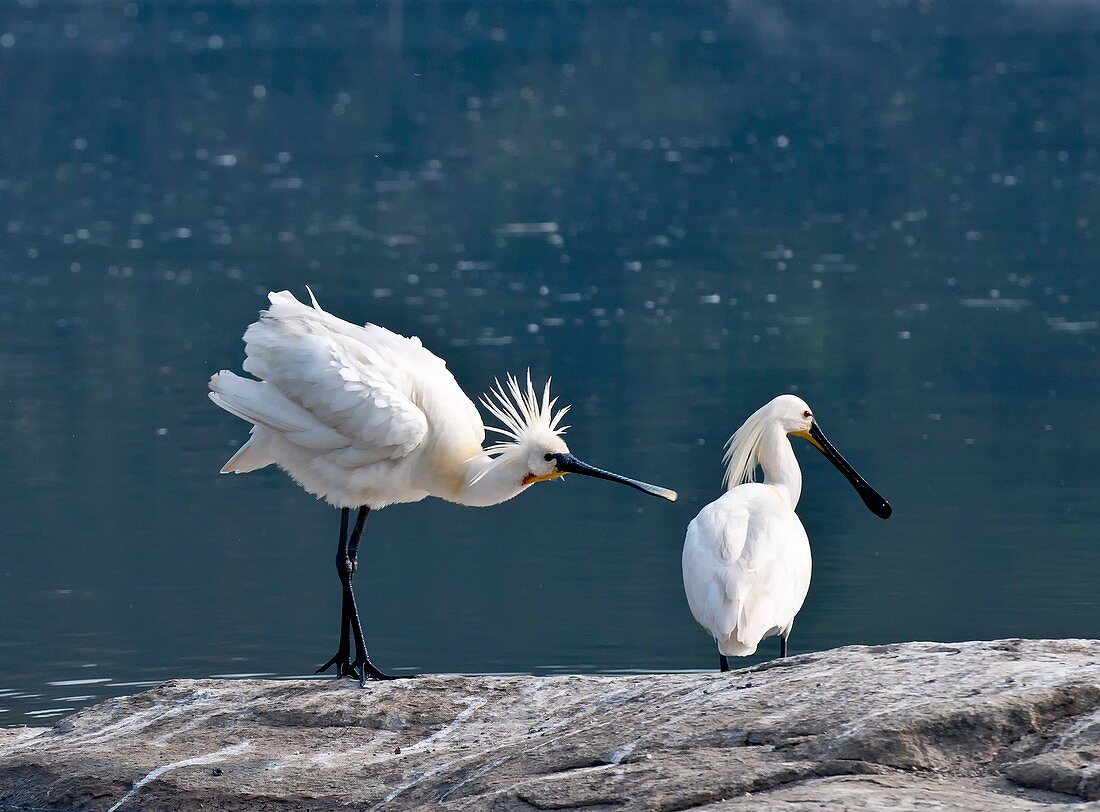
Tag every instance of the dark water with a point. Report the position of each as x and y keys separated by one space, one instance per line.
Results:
x=678 y=211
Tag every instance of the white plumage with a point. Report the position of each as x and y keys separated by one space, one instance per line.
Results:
x=746 y=567
x=364 y=418
x=746 y=560
x=345 y=410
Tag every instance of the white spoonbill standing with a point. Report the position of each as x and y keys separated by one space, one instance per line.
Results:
x=746 y=556
x=363 y=418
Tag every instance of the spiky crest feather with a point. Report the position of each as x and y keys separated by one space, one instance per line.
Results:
x=525 y=417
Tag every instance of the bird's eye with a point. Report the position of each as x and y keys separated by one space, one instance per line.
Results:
x=548 y=457
x=807 y=415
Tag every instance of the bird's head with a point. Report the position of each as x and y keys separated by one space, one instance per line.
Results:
x=542 y=457
x=792 y=413
x=796 y=419
x=533 y=442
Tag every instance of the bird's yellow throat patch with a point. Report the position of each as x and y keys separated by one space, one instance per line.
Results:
x=805 y=435
x=531 y=479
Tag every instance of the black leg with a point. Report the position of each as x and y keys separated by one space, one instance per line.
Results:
x=356 y=537
x=783 y=645
x=342 y=658
x=366 y=669
x=347 y=561
x=362 y=662
x=723 y=663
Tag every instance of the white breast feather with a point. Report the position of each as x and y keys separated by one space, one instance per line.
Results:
x=741 y=582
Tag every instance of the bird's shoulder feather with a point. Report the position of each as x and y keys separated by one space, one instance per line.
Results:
x=367 y=383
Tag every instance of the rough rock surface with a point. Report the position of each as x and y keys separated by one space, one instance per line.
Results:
x=1011 y=724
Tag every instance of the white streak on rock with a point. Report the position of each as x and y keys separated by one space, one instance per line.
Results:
x=474 y=703
x=209 y=758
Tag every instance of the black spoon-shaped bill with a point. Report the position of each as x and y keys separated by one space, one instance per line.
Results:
x=568 y=464
x=872 y=498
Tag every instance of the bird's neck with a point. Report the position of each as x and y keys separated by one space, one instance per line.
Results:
x=488 y=481
x=779 y=463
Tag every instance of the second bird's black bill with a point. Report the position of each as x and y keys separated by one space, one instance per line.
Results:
x=872 y=498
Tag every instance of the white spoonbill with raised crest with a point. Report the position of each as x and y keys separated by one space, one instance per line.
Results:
x=746 y=556
x=363 y=418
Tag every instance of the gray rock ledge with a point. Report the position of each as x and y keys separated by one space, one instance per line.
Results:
x=1009 y=724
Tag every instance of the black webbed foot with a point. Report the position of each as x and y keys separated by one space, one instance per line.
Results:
x=368 y=671
x=344 y=668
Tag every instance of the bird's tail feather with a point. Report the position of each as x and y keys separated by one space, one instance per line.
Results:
x=261 y=404
x=732 y=646
x=249 y=457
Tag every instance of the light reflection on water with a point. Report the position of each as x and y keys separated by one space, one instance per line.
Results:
x=678 y=212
